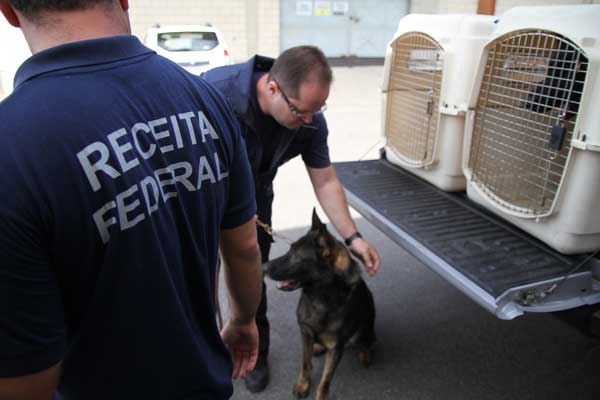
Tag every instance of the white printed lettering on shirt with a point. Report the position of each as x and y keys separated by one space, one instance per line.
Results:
x=152 y=148
x=188 y=120
x=176 y=131
x=123 y=209
x=203 y=166
x=171 y=170
x=152 y=190
x=205 y=127
x=144 y=184
x=146 y=137
x=160 y=135
x=162 y=183
x=121 y=149
x=100 y=165
x=103 y=224
x=218 y=166
x=183 y=178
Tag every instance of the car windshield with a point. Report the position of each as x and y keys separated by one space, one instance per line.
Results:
x=188 y=41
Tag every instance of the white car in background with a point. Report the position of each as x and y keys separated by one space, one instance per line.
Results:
x=197 y=48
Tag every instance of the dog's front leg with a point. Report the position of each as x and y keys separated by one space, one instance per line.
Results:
x=332 y=359
x=302 y=386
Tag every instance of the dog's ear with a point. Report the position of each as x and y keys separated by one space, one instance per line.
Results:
x=317 y=225
x=344 y=265
x=341 y=262
x=324 y=247
x=336 y=255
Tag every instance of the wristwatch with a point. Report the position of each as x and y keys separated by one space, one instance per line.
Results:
x=350 y=238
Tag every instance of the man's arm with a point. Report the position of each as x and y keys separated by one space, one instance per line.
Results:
x=243 y=277
x=330 y=193
x=38 y=386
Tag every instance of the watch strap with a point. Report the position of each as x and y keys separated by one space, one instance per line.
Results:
x=349 y=239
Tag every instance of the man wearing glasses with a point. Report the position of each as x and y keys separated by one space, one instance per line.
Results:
x=279 y=105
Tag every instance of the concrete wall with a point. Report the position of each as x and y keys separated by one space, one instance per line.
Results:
x=252 y=26
x=470 y=6
x=503 y=5
x=249 y=26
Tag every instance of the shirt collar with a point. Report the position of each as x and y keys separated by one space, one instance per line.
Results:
x=243 y=87
x=80 y=54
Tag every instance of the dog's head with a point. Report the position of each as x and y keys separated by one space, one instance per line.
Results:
x=317 y=258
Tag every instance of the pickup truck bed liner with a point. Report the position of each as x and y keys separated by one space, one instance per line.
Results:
x=475 y=250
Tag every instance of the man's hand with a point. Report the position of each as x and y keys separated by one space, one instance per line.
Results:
x=243 y=276
x=367 y=255
x=330 y=194
x=242 y=342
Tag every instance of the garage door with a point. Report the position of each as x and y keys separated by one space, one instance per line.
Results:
x=350 y=28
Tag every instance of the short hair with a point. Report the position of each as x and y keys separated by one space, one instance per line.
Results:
x=31 y=8
x=298 y=65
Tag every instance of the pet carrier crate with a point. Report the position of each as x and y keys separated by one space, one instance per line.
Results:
x=428 y=75
x=532 y=148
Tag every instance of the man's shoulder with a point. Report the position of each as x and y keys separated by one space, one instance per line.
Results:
x=221 y=75
x=18 y=110
x=242 y=71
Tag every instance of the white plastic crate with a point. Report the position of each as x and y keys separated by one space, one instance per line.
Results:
x=532 y=148
x=428 y=75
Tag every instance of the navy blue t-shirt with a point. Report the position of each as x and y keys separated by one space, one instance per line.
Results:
x=118 y=171
x=269 y=144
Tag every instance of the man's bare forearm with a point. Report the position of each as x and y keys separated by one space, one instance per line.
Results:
x=331 y=196
x=243 y=274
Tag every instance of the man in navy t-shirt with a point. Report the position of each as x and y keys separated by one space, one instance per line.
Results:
x=279 y=105
x=120 y=174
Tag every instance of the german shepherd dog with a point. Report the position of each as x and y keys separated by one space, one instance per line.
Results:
x=335 y=309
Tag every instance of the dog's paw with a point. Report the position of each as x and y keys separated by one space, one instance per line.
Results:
x=364 y=357
x=301 y=389
x=318 y=349
x=323 y=395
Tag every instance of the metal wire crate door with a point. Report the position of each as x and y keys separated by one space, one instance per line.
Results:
x=525 y=117
x=415 y=82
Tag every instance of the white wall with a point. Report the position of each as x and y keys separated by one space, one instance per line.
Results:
x=13 y=51
x=503 y=5
x=470 y=6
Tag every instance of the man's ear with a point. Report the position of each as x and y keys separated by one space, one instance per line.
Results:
x=9 y=13
x=124 y=4
x=272 y=87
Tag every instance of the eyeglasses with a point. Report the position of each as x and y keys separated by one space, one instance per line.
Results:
x=294 y=109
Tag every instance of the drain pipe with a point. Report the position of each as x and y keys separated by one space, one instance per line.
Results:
x=486 y=7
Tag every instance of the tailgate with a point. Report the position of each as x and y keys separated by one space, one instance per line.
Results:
x=502 y=268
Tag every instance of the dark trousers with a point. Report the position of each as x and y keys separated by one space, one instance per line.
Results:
x=264 y=204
